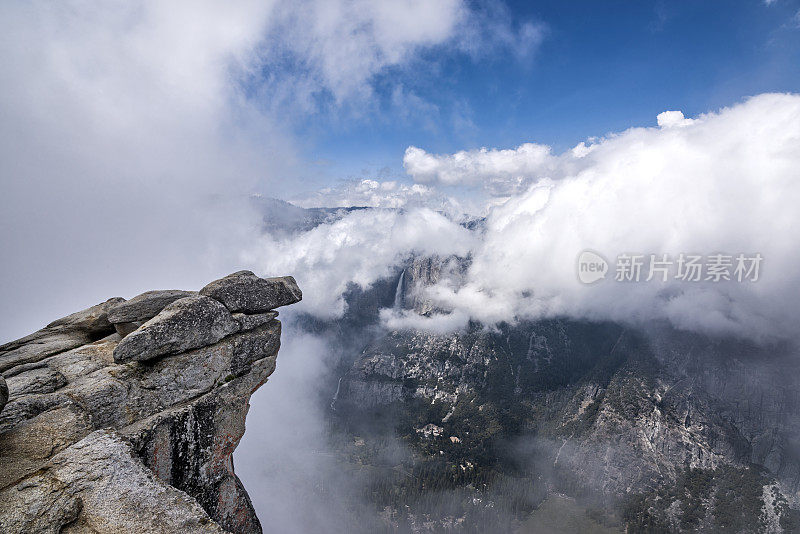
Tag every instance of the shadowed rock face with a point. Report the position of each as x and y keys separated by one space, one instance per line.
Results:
x=95 y=439
x=145 y=306
x=3 y=393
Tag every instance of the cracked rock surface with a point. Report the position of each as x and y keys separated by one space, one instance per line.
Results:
x=104 y=433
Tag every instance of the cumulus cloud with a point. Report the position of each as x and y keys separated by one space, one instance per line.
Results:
x=501 y=172
x=722 y=182
x=494 y=173
x=672 y=119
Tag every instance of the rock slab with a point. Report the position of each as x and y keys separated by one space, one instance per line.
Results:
x=245 y=292
x=145 y=306
x=63 y=334
x=184 y=324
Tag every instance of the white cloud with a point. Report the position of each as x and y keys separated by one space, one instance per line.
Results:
x=335 y=48
x=132 y=130
x=726 y=182
x=499 y=172
x=721 y=182
x=672 y=119
x=391 y=194
x=367 y=192
x=342 y=44
x=286 y=450
x=128 y=127
x=120 y=121
x=507 y=172
x=360 y=248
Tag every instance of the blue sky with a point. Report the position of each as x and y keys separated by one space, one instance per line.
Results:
x=600 y=67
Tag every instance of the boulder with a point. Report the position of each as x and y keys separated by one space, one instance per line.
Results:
x=61 y=335
x=185 y=324
x=145 y=306
x=93 y=320
x=245 y=292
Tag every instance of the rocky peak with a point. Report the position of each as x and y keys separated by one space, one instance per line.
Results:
x=123 y=417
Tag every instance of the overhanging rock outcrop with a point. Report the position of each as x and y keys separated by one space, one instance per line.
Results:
x=124 y=417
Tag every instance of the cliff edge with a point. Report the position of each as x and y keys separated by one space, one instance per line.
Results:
x=123 y=417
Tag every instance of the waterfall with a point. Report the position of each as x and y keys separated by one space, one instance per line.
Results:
x=336 y=395
x=398 y=293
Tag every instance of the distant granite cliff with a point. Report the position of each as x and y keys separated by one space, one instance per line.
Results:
x=650 y=428
x=123 y=417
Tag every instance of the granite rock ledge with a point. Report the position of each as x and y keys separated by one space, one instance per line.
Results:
x=124 y=417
